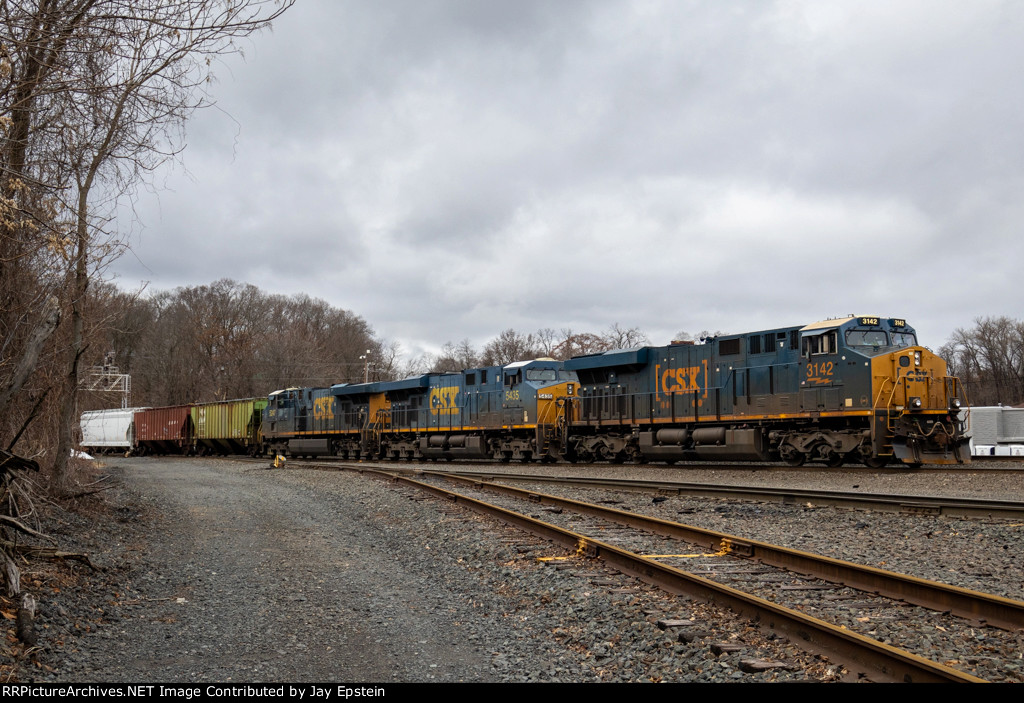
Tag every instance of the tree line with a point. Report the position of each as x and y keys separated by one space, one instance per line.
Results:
x=227 y=340
x=510 y=346
x=232 y=340
x=989 y=360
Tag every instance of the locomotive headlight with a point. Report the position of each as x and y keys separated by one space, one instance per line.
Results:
x=954 y=403
x=917 y=358
x=915 y=403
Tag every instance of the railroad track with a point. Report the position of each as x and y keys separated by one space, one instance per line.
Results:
x=919 y=505
x=898 y=503
x=769 y=584
x=983 y=465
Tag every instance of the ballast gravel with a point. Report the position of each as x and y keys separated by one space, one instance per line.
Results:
x=225 y=571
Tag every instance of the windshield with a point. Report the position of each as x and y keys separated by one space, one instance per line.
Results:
x=876 y=340
x=904 y=339
x=866 y=338
x=541 y=374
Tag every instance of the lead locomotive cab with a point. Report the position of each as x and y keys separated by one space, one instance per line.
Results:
x=876 y=396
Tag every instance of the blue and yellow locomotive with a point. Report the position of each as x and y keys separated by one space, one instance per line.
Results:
x=503 y=413
x=849 y=389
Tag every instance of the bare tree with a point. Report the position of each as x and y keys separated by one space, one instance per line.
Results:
x=617 y=337
x=989 y=359
x=547 y=340
x=456 y=357
x=578 y=343
x=103 y=90
x=229 y=340
x=507 y=347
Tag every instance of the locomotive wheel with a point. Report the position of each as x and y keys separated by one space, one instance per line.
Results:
x=795 y=459
x=874 y=462
x=834 y=460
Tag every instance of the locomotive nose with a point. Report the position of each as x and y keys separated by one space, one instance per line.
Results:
x=921 y=407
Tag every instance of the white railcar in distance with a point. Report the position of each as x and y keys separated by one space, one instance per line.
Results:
x=996 y=431
x=105 y=431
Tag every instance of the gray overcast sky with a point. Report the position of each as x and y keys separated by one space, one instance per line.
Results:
x=448 y=169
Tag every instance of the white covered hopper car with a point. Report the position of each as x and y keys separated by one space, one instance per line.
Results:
x=105 y=431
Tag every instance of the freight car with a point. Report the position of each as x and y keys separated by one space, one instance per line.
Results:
x=164 y=430
x=218 y=427
x=997 y=431
x=227 y=426
x=105 y=431
x=848 y=389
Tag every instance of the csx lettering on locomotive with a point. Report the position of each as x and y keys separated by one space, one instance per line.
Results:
x=443 y=401
x=679 y=380
x=323 y=408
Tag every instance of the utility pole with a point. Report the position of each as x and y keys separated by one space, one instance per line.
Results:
x=365 y=358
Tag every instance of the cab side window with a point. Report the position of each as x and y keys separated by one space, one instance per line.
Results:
x=820 y=344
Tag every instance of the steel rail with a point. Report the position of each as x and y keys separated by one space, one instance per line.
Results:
x=876 y=660
x=978 y=607
x=921 y=505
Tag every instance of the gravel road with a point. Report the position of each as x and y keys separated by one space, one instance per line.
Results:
x=238 y=576
x=225 y=571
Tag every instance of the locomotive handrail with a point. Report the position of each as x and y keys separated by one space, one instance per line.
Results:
x=888 y=406
x=960 y=391
x=640 y=407
x=881 y=390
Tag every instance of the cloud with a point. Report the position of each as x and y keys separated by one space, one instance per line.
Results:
x=451 y=169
